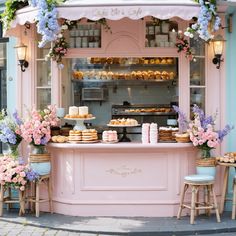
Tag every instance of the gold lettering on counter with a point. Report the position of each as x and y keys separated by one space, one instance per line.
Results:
x=124 y=171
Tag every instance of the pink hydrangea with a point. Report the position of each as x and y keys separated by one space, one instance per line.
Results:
x=36 y=129
x=12 y=173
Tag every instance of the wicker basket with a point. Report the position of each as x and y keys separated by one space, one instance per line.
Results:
x=206 y=162
x=182 y=139
x=39 y=158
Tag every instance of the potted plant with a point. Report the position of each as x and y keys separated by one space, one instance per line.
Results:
x=204 y=136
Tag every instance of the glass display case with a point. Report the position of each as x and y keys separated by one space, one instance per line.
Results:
x=106 y=82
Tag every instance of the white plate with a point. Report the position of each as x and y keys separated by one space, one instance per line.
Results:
x=123 y=125
x=110 y=142
x=92 y=118
x=76 y=142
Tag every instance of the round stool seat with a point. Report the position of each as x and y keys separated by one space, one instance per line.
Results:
x=199 y=178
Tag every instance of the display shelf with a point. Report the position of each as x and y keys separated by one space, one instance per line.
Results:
x=147 y=114
x=123 y=81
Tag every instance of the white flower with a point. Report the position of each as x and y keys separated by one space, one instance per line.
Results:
x=60 y=66
x=64 y=27
x=191 y=35
x=59 y=36
x=180 y=32
x=186 y=33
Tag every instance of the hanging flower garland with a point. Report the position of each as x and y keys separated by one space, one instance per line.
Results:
x=60 y=48
x=207 y=22
x=47 y=23
x=183 y=45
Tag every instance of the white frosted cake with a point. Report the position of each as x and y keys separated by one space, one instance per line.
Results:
x=73 y=111
x=83 y=110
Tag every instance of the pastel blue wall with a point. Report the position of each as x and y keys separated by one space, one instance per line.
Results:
x=231 y=93
x=11 y=69
x=11 y=75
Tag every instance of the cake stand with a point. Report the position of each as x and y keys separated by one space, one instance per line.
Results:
x=80 y=122
x=124 y=137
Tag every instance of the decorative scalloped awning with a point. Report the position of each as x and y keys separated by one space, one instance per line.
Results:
x=115 y=10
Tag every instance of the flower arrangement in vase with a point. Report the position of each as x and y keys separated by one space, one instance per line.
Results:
x=14 y=173
x=9 y=126
x=202 y=132
x=36 y=129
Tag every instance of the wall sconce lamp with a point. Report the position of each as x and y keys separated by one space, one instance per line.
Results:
x=21 y=55
x=218 y=45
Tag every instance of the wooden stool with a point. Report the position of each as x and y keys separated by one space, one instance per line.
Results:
x=234 y=199
x=195 y=182
x=35 y=198
x=7 y=199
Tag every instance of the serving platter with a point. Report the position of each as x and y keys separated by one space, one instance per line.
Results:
x=77 y=142
x=105 y=142
x=123 y=126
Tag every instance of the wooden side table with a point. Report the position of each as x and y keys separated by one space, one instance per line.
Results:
x=225 y=182
x=7 y=199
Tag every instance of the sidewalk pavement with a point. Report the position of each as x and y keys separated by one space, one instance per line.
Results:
x=101 y=226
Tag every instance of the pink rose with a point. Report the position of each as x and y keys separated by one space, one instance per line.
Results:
x=22 y=188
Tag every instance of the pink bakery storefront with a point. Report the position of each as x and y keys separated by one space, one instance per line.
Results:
x=126 y=66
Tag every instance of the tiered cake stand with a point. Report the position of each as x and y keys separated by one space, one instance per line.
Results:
x=124 y=137
x=80 y=122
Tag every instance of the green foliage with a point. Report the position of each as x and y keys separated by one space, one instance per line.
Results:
x=9 y=13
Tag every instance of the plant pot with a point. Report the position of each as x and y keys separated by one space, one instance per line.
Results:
x=38 y=149
x=13 y=150
x=206 y=170
x=206 y=166
x=40 y=163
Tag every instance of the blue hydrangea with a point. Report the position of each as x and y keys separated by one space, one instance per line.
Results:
x=6 y=134
x=47 y=24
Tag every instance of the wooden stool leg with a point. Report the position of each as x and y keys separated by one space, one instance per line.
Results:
x=185 y=187
x=22 y=202
x=9 y=205
x=193 y=204
x=32 y=195
x=37 y=200
x=215 y=203
x=234 y=201
x=197 y=202
x=1 y=199
x=208 y=200
x=50 y=195
x=224 y=190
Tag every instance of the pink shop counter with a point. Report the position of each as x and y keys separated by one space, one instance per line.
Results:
x=122 y=179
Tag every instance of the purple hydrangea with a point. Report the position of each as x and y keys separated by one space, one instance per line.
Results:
x=205 y=120
x=222 y=133
x=17 y=119
x=32 y=175
x=44 y=140
x=182 y=119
